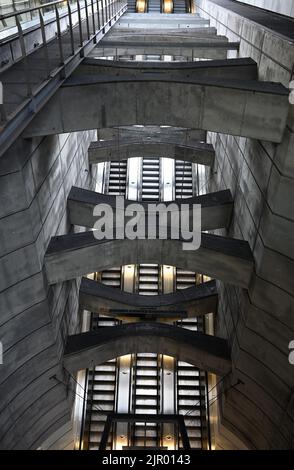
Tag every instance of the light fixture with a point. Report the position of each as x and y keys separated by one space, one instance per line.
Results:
x=140 y=6
x=168 y=6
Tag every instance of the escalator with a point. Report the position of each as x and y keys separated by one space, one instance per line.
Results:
x=190 y=381
x=148 y=279
x=117 y=177
x=183 y=179
x=146 y=398
x=101 y=393
x=154 y=6
x=147 y=370
x=146 y=367
x=150 y=179
x=157 y=6
x=132 y=6
x=180 y=7
x=102 y=379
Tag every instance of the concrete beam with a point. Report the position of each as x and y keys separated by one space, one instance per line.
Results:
x=160 y=26
x=244 y=69
x=166 y=41
x=113 y=150
x=96 y=347
x=244 y=108
x=203 y=50
x=106 y=300
x=162 y=17
x=162 y=21
x=216 y=208
x=183 y=136
x=200 y=31
x=78 y=254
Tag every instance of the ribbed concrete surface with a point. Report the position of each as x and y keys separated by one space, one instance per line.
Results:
x=35 y=179
x=259 y=324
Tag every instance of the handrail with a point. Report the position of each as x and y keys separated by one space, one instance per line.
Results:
x=108 y=9
x=29 y=10
x=97 y=17
x=67 y=3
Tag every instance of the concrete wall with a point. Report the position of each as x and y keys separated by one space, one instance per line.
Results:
x=35 y=178
x=259 y=323
x=285 y=7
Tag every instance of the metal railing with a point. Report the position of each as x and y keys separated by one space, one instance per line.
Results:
x=31 y=11
x=12 y=6
x=95 y=14
x=76 y=26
